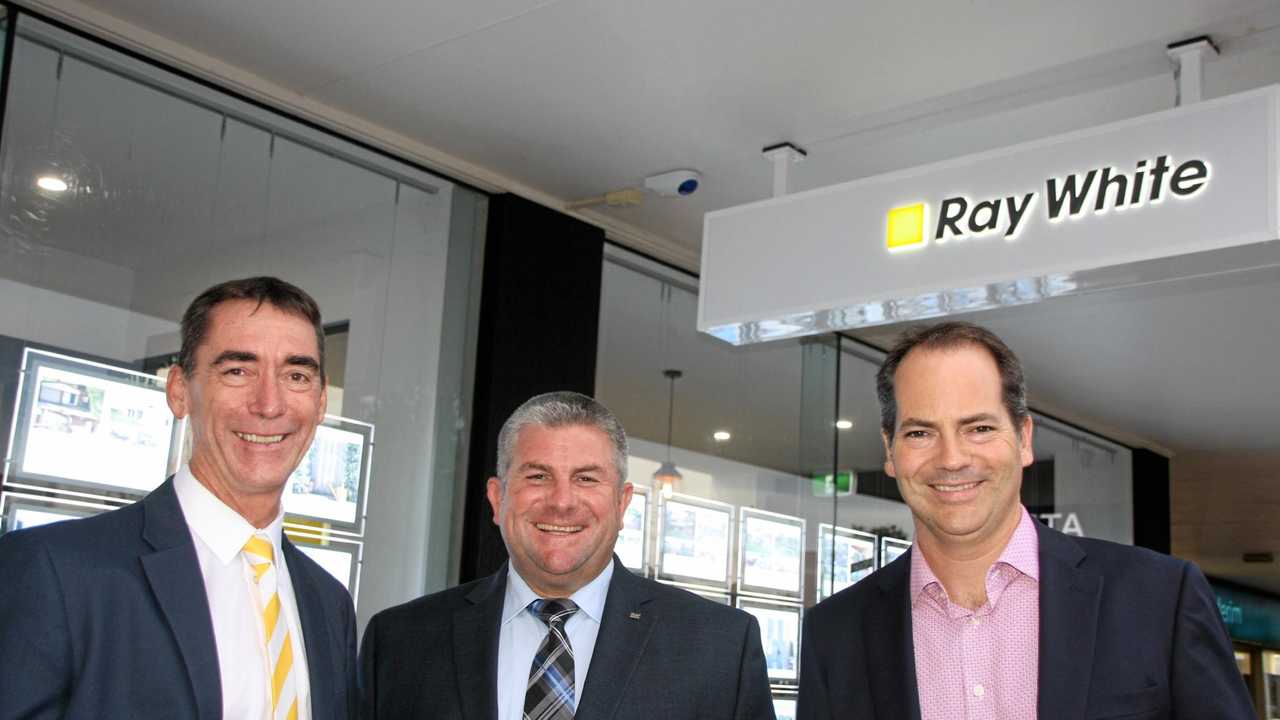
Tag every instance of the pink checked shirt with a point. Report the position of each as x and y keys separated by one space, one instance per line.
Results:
x=981 y=664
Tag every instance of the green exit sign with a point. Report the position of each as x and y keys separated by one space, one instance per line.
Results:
x=826 y=485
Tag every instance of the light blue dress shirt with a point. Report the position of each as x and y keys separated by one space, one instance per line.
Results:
x=522 y=632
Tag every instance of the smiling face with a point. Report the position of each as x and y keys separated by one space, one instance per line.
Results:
x=255 y=398
x=561 y=508
x=955 y=452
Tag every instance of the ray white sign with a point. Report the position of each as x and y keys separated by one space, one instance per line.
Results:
x=1167 y=195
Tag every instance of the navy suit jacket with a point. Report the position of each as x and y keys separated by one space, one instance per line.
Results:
x=661 y=653
x=108 y=617
x=1124 y=633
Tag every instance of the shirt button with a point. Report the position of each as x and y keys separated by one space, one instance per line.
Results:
x=975 y=622
x=979 y=691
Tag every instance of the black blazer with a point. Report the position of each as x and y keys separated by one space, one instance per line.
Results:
x=661 y=653
x=1124 y=633
x=108 y=617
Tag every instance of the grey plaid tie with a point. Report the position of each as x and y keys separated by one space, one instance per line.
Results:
x=549 y=695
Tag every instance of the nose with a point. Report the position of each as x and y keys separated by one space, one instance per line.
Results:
x=268 y=397
x=562 y=497
x=952 y=453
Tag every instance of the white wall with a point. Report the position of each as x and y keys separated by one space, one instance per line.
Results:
x=65 y=321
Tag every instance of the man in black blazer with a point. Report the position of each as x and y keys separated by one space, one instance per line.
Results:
x=154 y=610
x=635 y=649
x=1087 y=628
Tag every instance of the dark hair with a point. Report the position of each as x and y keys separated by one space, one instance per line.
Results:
x=562 y=409
x=948 y=335
x=281 y=295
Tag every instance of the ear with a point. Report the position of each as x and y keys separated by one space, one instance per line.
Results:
x=1024 y=442
x=494 y=492
x=627 y=491
x=175 y=392
x=324 y=402
x=888 y=455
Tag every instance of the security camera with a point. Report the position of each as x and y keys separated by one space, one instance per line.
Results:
x=676 y=182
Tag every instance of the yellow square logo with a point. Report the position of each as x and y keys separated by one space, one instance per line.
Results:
x=906 y=227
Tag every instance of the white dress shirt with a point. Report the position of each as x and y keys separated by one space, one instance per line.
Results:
x=220 y=533
x=522 y=632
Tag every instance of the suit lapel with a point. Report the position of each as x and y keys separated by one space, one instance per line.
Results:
x=1069 y=600
x=475 y=648
x=890 y=647
x=315 y=631
x=624 y=632
x=173 y=571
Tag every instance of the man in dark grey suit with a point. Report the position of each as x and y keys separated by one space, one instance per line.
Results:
x=192 y=603
x=563 y=631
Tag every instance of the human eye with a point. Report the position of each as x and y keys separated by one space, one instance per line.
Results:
x=299 y=379
x=983 y=432
x=234 y=374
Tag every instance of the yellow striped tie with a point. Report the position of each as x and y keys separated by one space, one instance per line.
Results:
x=284 y=697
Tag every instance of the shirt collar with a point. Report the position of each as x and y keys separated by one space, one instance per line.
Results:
x=1022 y=553
x=222 y=529
x=589 y=598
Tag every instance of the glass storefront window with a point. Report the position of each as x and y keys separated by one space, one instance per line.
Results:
x=127 y=190
x=792 y=502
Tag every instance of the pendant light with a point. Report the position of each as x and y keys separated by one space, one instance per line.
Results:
x=667 y=476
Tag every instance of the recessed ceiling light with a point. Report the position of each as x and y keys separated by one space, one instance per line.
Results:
x=843 y=424
x=721 y=435
x=51 y=183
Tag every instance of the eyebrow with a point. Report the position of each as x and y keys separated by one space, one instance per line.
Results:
x=980 y=417
x=547 y=468
x=227 y=356
x=303 y=361
x=917 y=422
x=234 y=356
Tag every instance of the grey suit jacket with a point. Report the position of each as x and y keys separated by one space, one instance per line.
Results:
x=661 y=653
x=107 y=617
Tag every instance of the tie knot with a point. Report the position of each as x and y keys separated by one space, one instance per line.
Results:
x=553 y=612
x=261 y=555
x=260 y=549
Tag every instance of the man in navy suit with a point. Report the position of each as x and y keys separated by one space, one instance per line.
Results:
x=563 y=630
x=191 y=603
x=991 y=614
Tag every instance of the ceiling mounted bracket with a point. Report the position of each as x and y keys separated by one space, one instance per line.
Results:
x=1188 y=56
x=783 y=155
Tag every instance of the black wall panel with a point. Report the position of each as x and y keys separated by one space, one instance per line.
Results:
x=539 y=318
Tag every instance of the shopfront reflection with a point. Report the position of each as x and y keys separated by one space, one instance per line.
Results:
x=796 y=504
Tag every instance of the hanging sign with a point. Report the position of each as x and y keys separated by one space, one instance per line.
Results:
x=1173 y=194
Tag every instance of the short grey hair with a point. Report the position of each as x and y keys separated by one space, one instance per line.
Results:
x=562 y=409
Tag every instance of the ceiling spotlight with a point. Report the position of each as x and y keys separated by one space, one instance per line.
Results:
x=721 y=435
x=843 y=424
x=51 y=183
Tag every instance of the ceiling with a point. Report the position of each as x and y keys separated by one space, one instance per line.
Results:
x=573 y=98
x=565 y=99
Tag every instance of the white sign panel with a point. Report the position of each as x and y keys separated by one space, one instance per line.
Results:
x=1106 y=207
